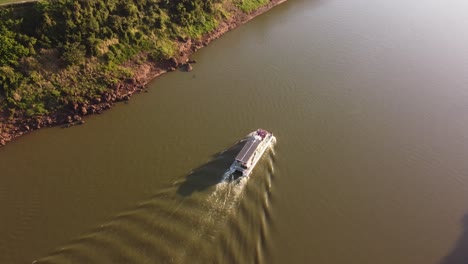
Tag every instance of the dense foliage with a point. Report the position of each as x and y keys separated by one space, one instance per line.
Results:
x=250 y=5
x=61 y=51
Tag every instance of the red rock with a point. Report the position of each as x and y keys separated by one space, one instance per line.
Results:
x=106 y=97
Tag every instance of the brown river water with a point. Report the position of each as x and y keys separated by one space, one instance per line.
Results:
x=369 y=104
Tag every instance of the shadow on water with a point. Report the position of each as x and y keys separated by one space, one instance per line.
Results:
x=459 y=254
x=210 y=173
x=173 y=226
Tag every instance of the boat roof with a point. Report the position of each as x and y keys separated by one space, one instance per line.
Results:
x=248 y=150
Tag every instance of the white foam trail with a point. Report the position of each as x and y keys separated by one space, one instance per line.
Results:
x=218 y=206
x=227 y=175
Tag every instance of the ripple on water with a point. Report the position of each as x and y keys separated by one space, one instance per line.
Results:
x=228 y=223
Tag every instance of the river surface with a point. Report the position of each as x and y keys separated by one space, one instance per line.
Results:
x=368 y=101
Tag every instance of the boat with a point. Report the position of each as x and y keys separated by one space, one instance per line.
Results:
x=257 y=143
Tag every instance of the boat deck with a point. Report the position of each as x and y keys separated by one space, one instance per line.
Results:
x=248 y=150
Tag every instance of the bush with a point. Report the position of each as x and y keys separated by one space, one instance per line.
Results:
x=74 y=53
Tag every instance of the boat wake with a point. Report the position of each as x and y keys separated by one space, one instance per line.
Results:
x=219 y=220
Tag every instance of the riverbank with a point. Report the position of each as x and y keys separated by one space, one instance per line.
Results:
x=11 y=128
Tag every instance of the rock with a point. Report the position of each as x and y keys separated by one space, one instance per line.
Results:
x=92 y=109
x=69 y=119
x=171 y=69
x=192 y=61
x=97 y=100
x=77 y=118
x=188 y=67
x=84 y=111
x=27 y=128
x=174 y=62
x=75 y=106
x=131 y=81
x=2 y=142
x=81 y=122
x=49 y=121
x=106 y=97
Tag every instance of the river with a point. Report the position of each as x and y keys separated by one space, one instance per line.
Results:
x=368 y=101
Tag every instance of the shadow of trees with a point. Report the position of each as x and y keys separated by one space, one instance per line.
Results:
x=459 y=254
x=210 y=173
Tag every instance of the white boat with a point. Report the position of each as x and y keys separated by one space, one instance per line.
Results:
x=257 y=143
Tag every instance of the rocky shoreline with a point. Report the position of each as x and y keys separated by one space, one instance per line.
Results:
x=123 y=91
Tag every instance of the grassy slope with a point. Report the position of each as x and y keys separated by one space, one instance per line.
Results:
x=42 y=84
x=100 y=39
x=78 y=52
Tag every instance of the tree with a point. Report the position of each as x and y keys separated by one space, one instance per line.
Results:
x=10 y=49
x=74 y=53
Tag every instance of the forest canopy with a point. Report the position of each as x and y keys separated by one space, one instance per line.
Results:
x=56 y=52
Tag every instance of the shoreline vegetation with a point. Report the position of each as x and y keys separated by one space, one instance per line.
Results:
x=61 y=60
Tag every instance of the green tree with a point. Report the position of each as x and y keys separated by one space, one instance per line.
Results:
x=10 y=49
